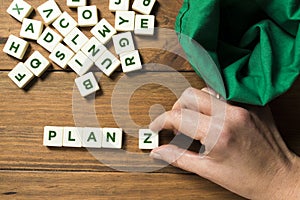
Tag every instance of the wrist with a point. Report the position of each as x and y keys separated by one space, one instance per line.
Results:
x=288 y=181
x=282 y=181
x=295 y=193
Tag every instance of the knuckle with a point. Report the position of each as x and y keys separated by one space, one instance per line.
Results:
x=240 y=115
x=188 y=91
x=226 y=140
x=179 y=162
x=176 y=163
x=199 y=136
x=175 y=114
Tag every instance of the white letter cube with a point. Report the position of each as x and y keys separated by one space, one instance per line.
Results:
x=115 y=5
x=53 y=136
x=143 y=6
x=15 y=47
x=87 y=84
x=93 y=49
x=80 y=63
x=103 y=31
x=49 y=39
x=92 y=137
x=20 y=75
x=87 y=16
x=107 y=63
x=131 y=61
x=61 y=55
x=124 y=20
x=76 y=39
x=64 y=24
x=148 y=139
x=112 y=138
x=37 y=63
x=76 y=3
x=72 y=137
x=49 y=11
x=123 y=42
x=144 y=24
x=31 y=29
x=19 y=10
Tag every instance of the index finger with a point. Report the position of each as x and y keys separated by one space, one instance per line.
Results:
x=188 y=122
x=197 y=100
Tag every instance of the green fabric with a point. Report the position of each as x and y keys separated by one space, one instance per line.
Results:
x=255 y=45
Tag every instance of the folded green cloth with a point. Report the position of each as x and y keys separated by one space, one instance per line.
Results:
x=255 y=45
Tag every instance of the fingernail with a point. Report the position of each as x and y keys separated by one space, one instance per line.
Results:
x=155 y=155
x=205 y=90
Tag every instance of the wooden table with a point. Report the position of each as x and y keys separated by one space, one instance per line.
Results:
x=28 y=170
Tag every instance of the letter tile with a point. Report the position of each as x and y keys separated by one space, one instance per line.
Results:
x=49 y=39
x=64 y=24
x=61 y=55
x=80 y=63
x=53 y=136
x=103 y=31
x=49 y=11
x=15 y=47
x=31 y=29
x=37 y=63
x=131 y=61
x=112 y=138
x=20 y=75
x=148 y=139
x=19 y=9
x=87 y=84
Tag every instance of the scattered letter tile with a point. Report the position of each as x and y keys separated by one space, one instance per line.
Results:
x=103 y=31
x=115 y=5
x=61 y=55
x=49 y=39
x=143 y=6
x=31 y=29
x=19 y=9
x=64 y=24
x=16 y=47
x=20 y=75
x=124 y=20
x=37 y=63
x=80 y=63
x=87 y=84
x=107 y=63
x=144 y=25
x=87 y=16
x=123 y=42
x=49 y=11
x=131 y=61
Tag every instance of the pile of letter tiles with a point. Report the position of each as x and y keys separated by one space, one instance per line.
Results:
x=68 y=45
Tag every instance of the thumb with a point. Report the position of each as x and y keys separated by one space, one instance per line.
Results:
x=181 y=158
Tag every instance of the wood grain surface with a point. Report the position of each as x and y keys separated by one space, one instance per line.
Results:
x=28 y=170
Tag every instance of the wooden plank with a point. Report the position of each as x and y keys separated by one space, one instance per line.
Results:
x=165 y=11
x=49 y=102
x=62 y=185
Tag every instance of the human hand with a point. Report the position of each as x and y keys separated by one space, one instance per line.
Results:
x=249 y=157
